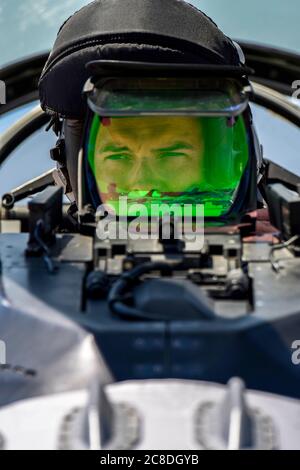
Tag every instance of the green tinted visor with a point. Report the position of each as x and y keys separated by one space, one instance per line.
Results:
x=178 y=151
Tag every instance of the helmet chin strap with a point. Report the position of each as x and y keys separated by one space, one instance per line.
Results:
x=65 y=154
x=58 y=154
x=71 y=134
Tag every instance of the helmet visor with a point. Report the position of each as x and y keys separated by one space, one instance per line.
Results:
x=168 y=96
x=167 y=160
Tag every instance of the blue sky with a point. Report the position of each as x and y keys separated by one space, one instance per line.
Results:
x=265 y=21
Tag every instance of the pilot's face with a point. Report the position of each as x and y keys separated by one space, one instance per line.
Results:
x=148 y=153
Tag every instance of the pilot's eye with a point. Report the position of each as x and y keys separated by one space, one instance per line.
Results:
x=166 y=155
x=118 y=156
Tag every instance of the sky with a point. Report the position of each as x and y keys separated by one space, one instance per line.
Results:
x=30 y=26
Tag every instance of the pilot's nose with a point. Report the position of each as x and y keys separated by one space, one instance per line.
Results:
x=142 y=176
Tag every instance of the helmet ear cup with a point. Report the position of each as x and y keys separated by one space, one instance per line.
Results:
x=73 y=134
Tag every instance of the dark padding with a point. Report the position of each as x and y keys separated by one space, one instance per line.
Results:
x=148 y=30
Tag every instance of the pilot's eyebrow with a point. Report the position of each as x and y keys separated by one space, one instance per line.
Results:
x=176 y=146
x=113 y=148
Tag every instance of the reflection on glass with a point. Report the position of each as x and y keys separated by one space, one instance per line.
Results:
x=29 y=160
x=11 y=117
x=279 y=137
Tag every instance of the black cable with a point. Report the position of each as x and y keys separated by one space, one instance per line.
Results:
x=275 y=264
x=117 y=294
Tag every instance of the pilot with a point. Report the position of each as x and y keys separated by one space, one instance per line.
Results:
x=189 y=144
x=146 y=154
